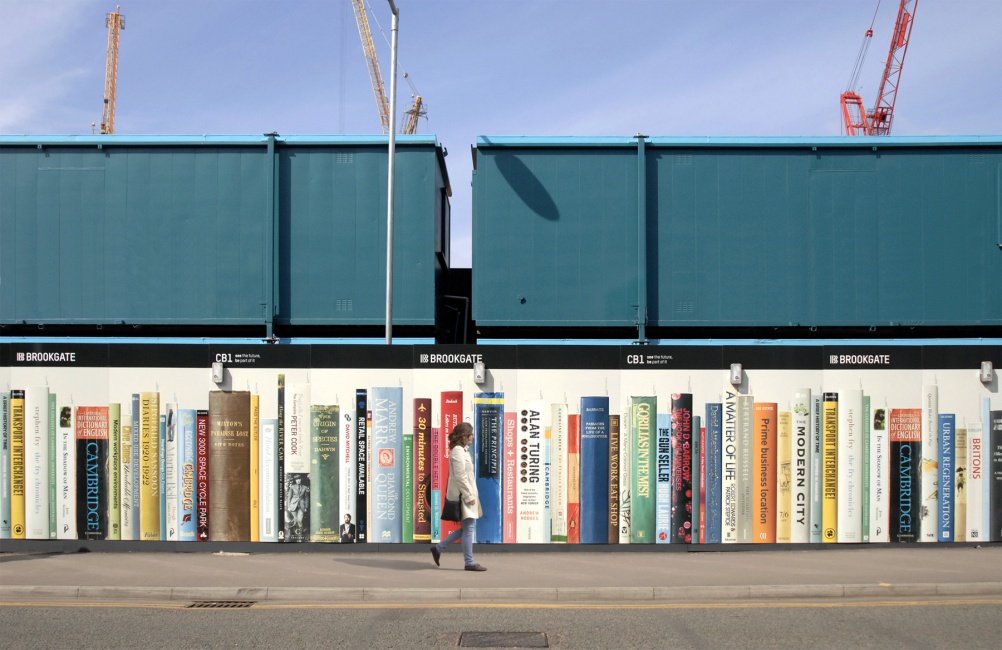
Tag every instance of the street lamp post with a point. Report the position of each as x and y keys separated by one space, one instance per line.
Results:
x=389 y=182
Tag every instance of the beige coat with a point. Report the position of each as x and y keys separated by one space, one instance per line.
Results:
x=463 y=482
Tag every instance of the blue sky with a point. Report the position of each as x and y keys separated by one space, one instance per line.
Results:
x=499 y=67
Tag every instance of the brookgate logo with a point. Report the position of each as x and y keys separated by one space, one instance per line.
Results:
x=451 y=358
x=46 y=357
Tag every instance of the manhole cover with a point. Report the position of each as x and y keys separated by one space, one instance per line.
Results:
x=503 y=640
x=221 y=604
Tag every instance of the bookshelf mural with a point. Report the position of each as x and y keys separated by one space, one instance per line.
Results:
x=837 y=442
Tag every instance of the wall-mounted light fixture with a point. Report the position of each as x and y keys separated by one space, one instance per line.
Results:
x=479 y=373
x=987 y=372
x=217 y=372
x=736 y=374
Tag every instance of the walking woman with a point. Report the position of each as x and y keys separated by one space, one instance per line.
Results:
x=463 y=487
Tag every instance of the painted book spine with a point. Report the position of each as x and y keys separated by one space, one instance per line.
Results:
x=170 y=473
x=714 y=471
x=530 y=487
x=644 y=432
x=348 y=471
x=162 y=474
x=255 y=468
x=905 y=435
x=186 y=475
x=800 y=467
x=849 y=517
x=450 y=414
x=149 y=466
x=92 y=475
x=510 y=474
x=663 y=496
x=698 y=481
x=595 y=470
x=995 y=477
x=202 y=500
x=830 y=481
x=573 y=478
x=361 y=466
x=114 y=471
x=280 y=458
x=487 y=454
x=947 y=467
x=929 y=513
x=128 y=469
x=625 y=473
x=407 y=495
x=52 y=446
x=558 y=473
x=680 y=459
x=5 y=482
x=729 y=469
x=66 y=476
x=436 y=484
x=297 y=463
x=867 y=490
x=764 y=450
x=387 y=464
x=784 y=477
x=17 y=478
x=880 y=504
x=746 y=469
x=268 y=500
x=324 y=474
x=614 y=476
x=36 y=462
x=960 y=485
x=136 y=469
x=229 y=466
x=817 y=469
x=422 y=469
x=978 y=466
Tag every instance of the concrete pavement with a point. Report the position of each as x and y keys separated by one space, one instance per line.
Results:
x=394 y=574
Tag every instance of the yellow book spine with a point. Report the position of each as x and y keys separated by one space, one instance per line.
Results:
x=829 y=485
x=784 y=481
x=149 y=466
x=17 y=513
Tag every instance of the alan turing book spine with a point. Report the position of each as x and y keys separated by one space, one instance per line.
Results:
x=595 y=465
x=531 y=488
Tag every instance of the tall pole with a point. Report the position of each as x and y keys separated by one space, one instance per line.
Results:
x=389 y=182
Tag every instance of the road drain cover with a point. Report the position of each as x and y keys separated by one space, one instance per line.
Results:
x=503 y=640
x=221 y=604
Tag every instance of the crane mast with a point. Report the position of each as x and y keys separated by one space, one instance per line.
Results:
x=115 y=23
x=878 y=121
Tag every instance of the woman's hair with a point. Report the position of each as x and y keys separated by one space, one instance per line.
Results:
x=459 y=434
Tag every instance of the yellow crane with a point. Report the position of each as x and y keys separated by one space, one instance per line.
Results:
x=382 y=105
x=115 y=23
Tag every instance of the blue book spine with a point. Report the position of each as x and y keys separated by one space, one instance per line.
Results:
x=947 y=442
x=163 y=477
x=663 y=493
x=186 y=475
x=135 y=467
x=713 y=468
x=386 y=519
x=488 y=414
x=594 y=470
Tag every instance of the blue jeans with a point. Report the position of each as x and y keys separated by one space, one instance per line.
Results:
x=467 y=530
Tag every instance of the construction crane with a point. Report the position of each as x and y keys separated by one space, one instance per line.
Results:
x=115 y=23
x=878 y=121
x=416 y=110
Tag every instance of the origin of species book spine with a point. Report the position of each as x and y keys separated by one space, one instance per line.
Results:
x=531 y=486
x=595 y=470
x=324 y=473
x=488 y=422
x=92 y=474
x=229 y=466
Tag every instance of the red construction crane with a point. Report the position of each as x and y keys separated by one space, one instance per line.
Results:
x=878 y=121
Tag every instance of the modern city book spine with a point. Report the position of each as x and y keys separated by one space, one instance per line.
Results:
x=558 y=473
x=92 y=471
x=681 y=468
x=186 y=475
x=947 y=440
x=784 y=476
x=387 y=465
x=361 y=466
x=573 y=478
x=830 y=480
x=324 y=473
x=202 y=496
x=729 y=468
x=17 y=478
x=849 y=455
x=422 y=469
x=643 y=498
x=531 y=487
x=614 y=476
x=66 y=476
x=36 y=462
x=976 y=476
x=510 y=478
x=663 y=497
x=268 y=500
x=595 y=470
x=298 y=489
x=229 y=466
x=905 y=434
x=800 y=467
x=114 y=471
x=929 y=513
x=714 y=475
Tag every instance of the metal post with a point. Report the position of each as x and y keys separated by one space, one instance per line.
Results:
x=641 y=239
x=389 y=182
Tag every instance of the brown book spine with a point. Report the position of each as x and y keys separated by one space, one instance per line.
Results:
x=229 y=466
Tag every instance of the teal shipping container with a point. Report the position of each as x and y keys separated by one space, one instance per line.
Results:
x=661 y=234
x=194 y=232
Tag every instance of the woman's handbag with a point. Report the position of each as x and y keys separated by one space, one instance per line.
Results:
x=452 y=511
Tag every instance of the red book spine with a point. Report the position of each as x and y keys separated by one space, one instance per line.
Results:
x=202 y=475
x=573 y=479
x=452 y=414
x=702 y=484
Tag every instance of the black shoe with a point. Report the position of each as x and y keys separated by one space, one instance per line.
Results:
x=475 y=567
x=435 y=555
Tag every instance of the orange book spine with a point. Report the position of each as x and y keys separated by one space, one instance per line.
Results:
x=764 y=463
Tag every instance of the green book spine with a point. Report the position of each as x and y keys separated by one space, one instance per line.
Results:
x=866 y=467
x=114 y=471
x=407 y=520
x=644 y=414
x=53 y=503
x=324 y=473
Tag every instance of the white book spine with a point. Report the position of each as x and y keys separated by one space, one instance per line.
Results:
x=171 y=473
x=530 y=487
x=66 y=467
x=976 y=468
x=929 y=527
x=800 y=491
x=36 y=462
x=850 y=466
x=268 y=481
x=817 y=474
x=126 y=469
x=297 y=429
x=558 y=472
x=986 y=464
x=746 y=478
x=880 y=495
x=729 y=468
x=348 y=453
x=625 y=472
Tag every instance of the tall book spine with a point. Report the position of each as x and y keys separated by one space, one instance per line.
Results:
x=407 y=496
x=52 y=446
x=268 y=502
x=714 y=471
x=5 y=464
x=114 y=471
x=128 y=469
x=986 y=495
x=849 y=518
x=92 y=475
x=663 y=496
x=644 y=431
x=280 y=459
x=960 y=485
x=66 y=474
x=186 y=475
x=348 y=470
x=764 y=450
x=531 y=489
x=681 y=468
x=746 y=469
x=229 y=466
x=387 y=475
x=905 y=434
x=729 y=469
x=929 y=481
x=784 y=477
x=436 y=484
x=614 y=476
x=170 y=473
x=573 y=478
x=558 y=473
x=324 y=474
x=36 y=462
x=947 y=427
x=450 y=414
x=595 y=470
x=17 y=478
x=422 y=469
x=361 y=466
x=136 y=469
x=978 y=466
x=487 y=454
x=880 y=503
x=830 y=481
x=800 y=467
x=817 y=469
x=995 y=477
x=297 y=463
x=625 y=473
x=149 y=466
x=203 y=497
x=698 y=481
x=510 y=474
x=255 y=468
x=162 y=474
x=867 y=459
